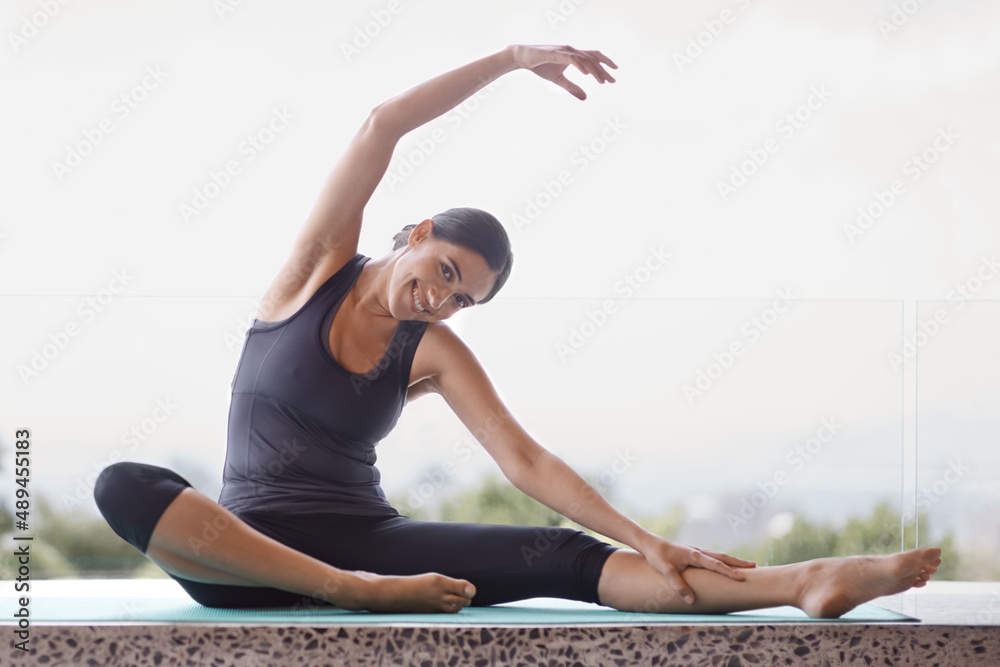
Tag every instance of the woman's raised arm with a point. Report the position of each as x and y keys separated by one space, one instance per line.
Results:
x=329 y=237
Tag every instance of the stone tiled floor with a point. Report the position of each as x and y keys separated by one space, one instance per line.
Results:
x=960 y=625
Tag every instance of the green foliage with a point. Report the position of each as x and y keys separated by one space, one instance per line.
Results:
x=951 y=568
x=877 y=533
x=87 y=542
x=497 y=501
x=6 y=519
x=80 y=546
x=805 y=541
x=666 y=525
x=69 y=545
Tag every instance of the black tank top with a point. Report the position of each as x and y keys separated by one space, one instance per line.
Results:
x=302 y=429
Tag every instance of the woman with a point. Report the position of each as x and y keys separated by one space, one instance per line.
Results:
x=340 y=343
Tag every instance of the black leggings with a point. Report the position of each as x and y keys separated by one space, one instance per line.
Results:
x=505 y=563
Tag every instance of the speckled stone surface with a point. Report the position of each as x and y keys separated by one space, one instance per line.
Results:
x=431 y=646
x=960 y=626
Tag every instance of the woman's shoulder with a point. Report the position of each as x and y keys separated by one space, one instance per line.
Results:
x=441 y=351
x=442 y=336
x=298 y=280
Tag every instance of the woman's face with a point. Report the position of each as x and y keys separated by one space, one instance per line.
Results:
x=433 y=279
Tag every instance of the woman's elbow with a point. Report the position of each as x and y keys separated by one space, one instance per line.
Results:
x=520 y=470
x=381 y=119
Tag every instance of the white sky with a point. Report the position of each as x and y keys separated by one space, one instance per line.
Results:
x=677 y=132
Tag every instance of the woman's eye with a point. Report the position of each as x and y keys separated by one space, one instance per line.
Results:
x=461 y=301
x=446 y=270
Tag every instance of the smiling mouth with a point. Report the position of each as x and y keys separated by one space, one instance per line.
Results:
x=417 y=306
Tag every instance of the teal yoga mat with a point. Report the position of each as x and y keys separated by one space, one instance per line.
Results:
x=529 y=612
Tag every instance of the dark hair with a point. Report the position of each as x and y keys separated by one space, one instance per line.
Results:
x=476 y=230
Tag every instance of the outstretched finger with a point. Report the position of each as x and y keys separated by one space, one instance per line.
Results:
x=598 y=60
x=590 y=65
x=575 y=90
x=704 y=561
x=579 y=62
x=603 y=58
x=583 y=62
x=730 y=560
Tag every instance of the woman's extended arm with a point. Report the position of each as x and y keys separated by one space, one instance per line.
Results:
x=329 y=236
x=461 y=380
x=429 y=100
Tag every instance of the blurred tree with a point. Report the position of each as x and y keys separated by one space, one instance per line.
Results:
x=805 y=541
x=77 y=545
x=498 y=501
x=666 y=525
x=877 y=533
x=89 y=543
x=70 y=545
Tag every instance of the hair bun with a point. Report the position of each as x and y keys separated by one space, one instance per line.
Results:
x=401 y=237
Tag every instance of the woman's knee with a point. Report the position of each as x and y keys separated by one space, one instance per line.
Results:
x=117 y=484
x=132 y=496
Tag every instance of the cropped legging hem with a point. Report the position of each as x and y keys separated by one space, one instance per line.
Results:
x=505 y=563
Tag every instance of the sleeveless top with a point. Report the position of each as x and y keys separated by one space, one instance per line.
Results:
x=303 y=429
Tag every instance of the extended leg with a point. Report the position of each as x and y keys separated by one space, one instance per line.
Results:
x=823 y=588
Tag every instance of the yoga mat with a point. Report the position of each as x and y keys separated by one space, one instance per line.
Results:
x=539 y=611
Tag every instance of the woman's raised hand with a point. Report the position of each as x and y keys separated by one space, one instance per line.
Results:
x=670 y=559
x=549 y=62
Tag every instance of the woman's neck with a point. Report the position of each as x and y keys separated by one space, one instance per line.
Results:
x=371 y=291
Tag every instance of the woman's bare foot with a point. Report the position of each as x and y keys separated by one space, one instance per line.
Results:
x=833 y=586
x=420 y=593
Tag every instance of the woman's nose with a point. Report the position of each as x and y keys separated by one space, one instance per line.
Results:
x=434 y=296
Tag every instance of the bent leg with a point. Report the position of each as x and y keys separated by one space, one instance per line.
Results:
x=823 y=588
x=224 y=562
x=136 y=499
x=198 y=538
